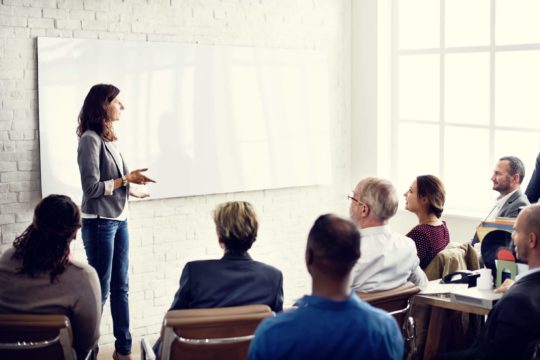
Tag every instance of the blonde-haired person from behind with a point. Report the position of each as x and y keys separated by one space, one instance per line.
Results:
x=425 y=198
x=235 y=279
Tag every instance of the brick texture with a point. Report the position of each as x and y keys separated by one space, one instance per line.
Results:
x=165 y=234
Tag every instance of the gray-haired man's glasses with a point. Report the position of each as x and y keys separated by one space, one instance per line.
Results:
x=350 y=196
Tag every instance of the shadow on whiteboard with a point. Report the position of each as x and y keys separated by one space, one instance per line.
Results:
x=203 y=119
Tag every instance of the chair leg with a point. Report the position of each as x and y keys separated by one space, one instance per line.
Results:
x=409 y=332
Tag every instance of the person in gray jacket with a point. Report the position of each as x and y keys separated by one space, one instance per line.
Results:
x=507 y=177
x=39 y=276
x=105 y=182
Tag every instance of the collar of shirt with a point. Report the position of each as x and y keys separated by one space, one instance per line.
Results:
x=374 y=230
x=325 y=303
x=236 y=256
x=528 y=272
x=501 y=200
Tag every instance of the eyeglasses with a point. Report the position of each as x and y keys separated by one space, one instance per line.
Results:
x=350 y=196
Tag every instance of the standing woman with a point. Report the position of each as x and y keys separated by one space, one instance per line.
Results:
x=425 y=198
x=105 y=182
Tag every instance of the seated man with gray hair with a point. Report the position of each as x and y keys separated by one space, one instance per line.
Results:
x=389 y=259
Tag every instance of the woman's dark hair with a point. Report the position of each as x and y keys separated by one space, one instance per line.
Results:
x=432 y=188
x=93 y=115
x=44 y=245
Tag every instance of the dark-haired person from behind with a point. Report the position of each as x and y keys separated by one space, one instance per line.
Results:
x=425 y=198
x=38 y=276
x=332 y=322
x=235 y=279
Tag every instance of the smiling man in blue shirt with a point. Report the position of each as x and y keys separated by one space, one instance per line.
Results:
x=332 y=323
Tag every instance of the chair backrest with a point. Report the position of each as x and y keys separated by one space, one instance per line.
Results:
x=223 y=333
x=396 y=301
x=25 y=336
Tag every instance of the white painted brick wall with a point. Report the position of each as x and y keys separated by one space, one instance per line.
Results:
x=165 y=234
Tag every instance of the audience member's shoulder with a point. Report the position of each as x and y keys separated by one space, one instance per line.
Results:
x=196 y=266
x=420 y=229
x=404 y=240
x=6 y=256
x=201 y=262
x=268 y=267
x=279 y=323
x=80 y=268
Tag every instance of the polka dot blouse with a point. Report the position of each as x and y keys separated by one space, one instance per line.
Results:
x=429 y=240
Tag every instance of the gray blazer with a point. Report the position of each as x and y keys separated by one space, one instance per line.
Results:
x=512 y=206
x=510 y=209
x=97 y=164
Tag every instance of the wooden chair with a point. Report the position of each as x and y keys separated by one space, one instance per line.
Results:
x=397 y=302
x=25 y=336
x=223 y=333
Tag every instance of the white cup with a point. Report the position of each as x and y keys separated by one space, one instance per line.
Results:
x=485 y=280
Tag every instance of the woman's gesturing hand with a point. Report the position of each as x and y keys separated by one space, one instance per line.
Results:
x=137 y=177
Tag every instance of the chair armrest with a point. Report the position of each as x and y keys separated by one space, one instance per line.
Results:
x=147 y=353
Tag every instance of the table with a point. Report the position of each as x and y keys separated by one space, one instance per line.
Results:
x=444 y=302
x=441 y=308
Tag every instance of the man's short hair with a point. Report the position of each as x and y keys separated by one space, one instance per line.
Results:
x=335 y=244
x=515 y=166
x=532 y=218
x=236 y=225
x=381 y=197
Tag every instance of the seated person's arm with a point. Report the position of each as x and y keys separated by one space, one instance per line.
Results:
x=533 y=189
x=87 y=314
x=278 y=303
x=182 y=298
x=504 y=286
x=418 y=276
x=259 y=349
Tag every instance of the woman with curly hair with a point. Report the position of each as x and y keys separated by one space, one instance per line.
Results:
x=37 y=275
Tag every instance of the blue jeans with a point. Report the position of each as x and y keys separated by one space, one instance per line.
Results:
x=106 y=243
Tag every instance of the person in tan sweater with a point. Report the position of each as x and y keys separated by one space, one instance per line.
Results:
x=38 y=276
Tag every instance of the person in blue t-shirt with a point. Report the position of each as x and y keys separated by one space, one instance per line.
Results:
x=332 y=323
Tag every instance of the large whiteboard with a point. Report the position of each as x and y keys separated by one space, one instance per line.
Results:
x=203 y=119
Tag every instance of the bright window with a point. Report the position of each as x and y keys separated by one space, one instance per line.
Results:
x=466 y=91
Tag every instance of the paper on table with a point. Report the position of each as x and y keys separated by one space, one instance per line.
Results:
x=435 y=287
